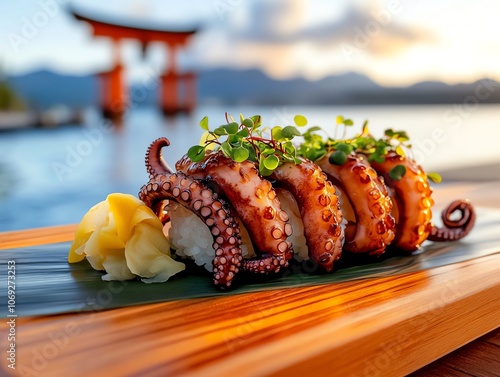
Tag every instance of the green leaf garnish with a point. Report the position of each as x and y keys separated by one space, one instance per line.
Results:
x=243 y=133
x=277 y=133
x=400 y=151
x=226 y=149
x=262 y=167
x=257 y=121
x=338 y=158
x=271 y=162
x=289 y=132
x=289 y=148
x=204 y=123
x=240 y=154
x=247 y=140
x=313 y=129
x=231 y=128
x=248 y=122
x=346 y=148
x=206 y=140
x=397 y=172
x=300 y=120
x=315 y=146
x=196 y=153
x=434 y=177
x=219 y=131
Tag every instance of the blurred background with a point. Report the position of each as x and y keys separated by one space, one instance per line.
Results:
x=86 y=85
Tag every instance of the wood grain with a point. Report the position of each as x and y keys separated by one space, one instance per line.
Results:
x=39 y=236
x=478 y=358
x=375 y=327
x=493 y=338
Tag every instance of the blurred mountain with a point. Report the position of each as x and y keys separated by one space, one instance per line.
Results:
x=254 y=87
x=43 y=89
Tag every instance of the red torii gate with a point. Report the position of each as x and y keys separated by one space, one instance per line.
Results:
x=178 y=90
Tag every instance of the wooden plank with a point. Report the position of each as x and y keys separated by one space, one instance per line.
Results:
x=493 y=337
x=481 y=358
x=39 y=236
x=437 y=369
x=377 y=327
x=478 y=358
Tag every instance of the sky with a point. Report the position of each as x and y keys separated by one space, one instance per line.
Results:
x=395 y=43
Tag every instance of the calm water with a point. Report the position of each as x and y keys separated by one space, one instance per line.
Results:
x=52 y=177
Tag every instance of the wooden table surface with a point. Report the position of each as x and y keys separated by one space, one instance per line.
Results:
x=373 y=327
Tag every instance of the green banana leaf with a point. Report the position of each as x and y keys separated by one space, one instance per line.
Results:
x=47 y=284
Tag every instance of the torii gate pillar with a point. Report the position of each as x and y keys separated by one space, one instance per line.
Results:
x=177 y=91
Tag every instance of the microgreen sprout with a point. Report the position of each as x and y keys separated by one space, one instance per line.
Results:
x=271 y=147
x=246 y=140
x=316 y=146
x=345 y=122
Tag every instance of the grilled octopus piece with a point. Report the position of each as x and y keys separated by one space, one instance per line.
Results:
x=201 y=200
x=254 y=201
x=365 y=201
x=413 y=207
x=319 y=209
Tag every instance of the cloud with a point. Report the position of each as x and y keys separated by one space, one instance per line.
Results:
x=277 y=38
x=377 y=31
x=276 y=22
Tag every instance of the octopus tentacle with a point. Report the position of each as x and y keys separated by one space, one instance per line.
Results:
x=319 y=209
x=255 y=203
x=412 y=199
x=454 y=230
x=214 y=212
x=365 y=203
x=155 y=163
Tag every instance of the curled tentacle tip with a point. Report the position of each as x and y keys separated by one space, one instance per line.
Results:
x=155 y=164
x=162 y=139
x=455 y=229
x=467 y=213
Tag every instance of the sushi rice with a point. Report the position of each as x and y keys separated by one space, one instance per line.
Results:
x=191 y=238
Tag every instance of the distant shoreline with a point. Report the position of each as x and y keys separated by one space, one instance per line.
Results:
x=487 y=172
x=252 y=87
x=49 y=118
